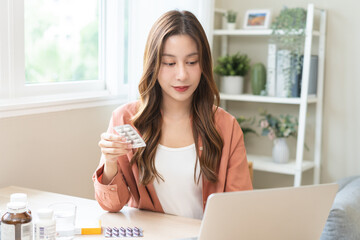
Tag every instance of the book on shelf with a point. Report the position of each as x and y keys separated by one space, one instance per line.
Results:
x=284 y=80
x=271 y=70
x=297 y=76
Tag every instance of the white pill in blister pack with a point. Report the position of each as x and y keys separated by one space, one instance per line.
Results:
x=131 y=135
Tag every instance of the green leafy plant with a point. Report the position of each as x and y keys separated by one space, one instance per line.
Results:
x=231 y=16
x=278 y=127
x=233 y=65
x=288 y=32
x=245 y=124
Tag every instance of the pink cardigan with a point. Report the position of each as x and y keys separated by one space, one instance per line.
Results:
x=125 y=189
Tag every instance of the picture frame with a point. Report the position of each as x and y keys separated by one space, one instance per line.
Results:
x=257 y=19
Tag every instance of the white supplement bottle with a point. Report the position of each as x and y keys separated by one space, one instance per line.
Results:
x=16 y=223
x=20 y=197
x=45 y=227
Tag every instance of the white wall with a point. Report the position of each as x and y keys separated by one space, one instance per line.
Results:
x=54 y=152
x=341 y=131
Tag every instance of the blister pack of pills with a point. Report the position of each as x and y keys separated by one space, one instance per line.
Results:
x=131 y=135
x=123 y=232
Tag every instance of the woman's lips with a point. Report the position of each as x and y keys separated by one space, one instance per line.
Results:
x=181 y=88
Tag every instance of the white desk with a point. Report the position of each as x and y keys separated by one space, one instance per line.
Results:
x=156 y=226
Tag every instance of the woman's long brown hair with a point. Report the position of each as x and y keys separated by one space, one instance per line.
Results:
x=148 y=119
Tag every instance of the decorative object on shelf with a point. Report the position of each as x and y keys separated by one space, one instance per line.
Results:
x=258 y=79
x=231 y=19
x=288 y=34
x=280 y=152
x=284 y=71
x=257 y=19
x=271 y=71
x=297 y=78
x=232 y=68
x=276 y=129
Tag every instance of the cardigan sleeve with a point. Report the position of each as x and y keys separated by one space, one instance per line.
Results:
x=116 y=194
x=238 y=175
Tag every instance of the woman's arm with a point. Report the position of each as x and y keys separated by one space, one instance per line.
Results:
x=111 y=190
x=114 y=195
x=238 y=175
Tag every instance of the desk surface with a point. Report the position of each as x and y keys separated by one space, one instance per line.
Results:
x=156 y=226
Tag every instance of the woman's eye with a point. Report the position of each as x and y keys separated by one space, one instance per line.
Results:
x=192 y=63
x=169 y=64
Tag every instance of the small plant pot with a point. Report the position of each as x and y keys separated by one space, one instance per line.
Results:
x=231 y=25
x=232 y=84
x=280 y=152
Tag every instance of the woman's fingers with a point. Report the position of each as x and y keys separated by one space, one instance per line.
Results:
x=110 y=144
x=113 y=146
x=112 y=137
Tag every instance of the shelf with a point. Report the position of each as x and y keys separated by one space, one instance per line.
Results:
x=242 y=32
x=265 y=163
x=246 y=32
x=265 y=99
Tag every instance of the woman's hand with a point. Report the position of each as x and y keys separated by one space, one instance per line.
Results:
x=112 y=146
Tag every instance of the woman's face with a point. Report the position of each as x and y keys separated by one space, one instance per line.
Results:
x=180 y=72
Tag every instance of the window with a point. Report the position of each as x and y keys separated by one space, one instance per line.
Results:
x=61 y=40
x=65 y=54
x=55 y=52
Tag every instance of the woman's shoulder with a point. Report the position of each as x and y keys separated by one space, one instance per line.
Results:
x=125 y=112
x=222 y=116
x=130 y=108
x=226 y=123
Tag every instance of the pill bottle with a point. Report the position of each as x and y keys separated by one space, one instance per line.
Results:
x=20 y=197
x=16 y=222
x=45 y=226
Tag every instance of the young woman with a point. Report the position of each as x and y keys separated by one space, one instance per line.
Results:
x=193 y=148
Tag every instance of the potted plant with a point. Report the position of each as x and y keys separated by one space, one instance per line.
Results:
x=232 y=70
x=288 y=33
x=278 y=129
x=231 y=19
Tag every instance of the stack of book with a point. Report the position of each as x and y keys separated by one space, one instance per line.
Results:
x=283 y=77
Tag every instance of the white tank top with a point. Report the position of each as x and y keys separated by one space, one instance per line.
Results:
x=178 y=194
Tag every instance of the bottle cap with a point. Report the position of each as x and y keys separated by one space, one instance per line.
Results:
x=18 y=197
x=16 y=207
x=45 y=213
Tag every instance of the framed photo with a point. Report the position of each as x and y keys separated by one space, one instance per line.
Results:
x=257 y=19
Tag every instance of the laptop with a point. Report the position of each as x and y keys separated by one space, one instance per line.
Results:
x=279 y=213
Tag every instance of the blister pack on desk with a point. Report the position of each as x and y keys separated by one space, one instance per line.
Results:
x=131 y=135
x=123 y=232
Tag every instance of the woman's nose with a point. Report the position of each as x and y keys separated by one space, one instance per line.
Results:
x=181 y=73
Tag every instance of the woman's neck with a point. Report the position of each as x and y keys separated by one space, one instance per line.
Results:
x=175 y=110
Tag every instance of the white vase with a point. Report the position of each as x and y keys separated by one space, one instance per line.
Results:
x=280 y=152
x=232 y=84
x=231 y=26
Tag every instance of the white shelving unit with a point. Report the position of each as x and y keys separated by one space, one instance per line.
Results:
x=297 y=166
